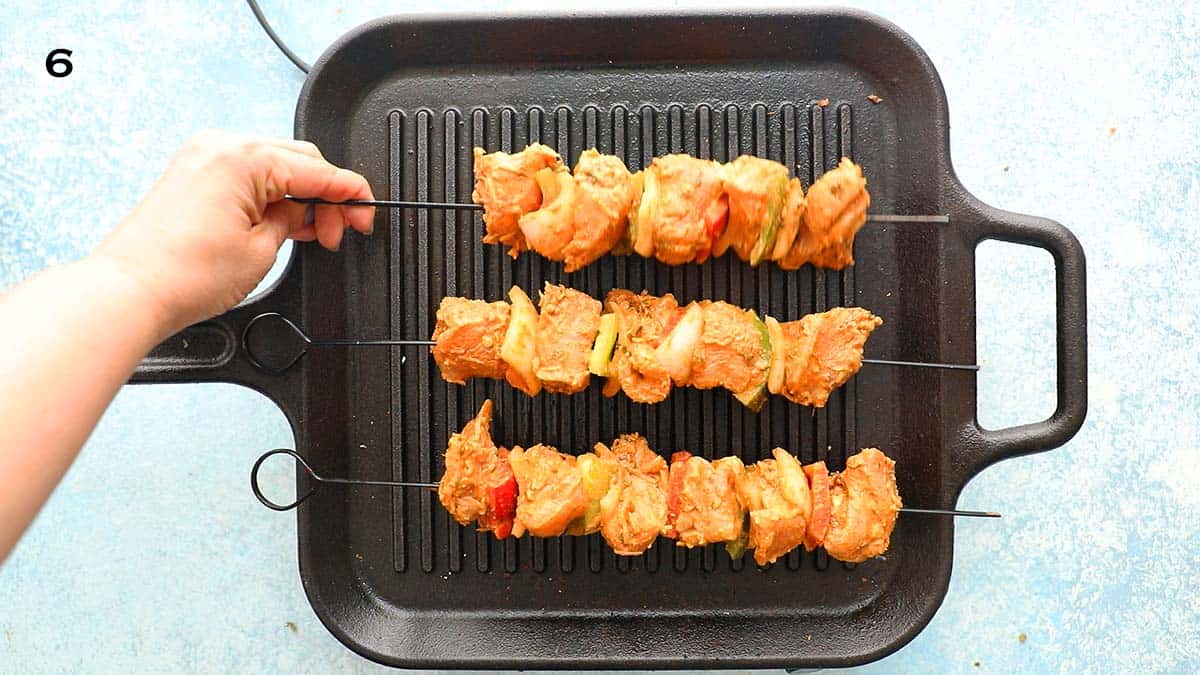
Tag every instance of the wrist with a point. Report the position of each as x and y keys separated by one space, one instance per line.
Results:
x=139 y=302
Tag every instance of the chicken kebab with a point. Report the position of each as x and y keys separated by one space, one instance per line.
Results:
x=680 y=209
x=631 y=496
x=645 y=344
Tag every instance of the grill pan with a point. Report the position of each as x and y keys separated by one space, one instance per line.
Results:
x=403 y=100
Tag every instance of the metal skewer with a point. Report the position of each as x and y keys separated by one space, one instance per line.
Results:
x=952 y=512
x=394 y=204
x=388 y=203
x=321 y=480
x=307 y=343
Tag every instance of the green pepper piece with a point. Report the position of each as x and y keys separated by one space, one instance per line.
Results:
x=602 y=349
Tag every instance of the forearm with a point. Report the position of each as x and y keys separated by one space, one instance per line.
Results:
x=72 y=336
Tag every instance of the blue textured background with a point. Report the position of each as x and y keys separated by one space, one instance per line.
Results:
x=153 y=555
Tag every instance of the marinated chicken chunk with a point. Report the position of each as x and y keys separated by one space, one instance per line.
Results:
x=551 y=491
x=604 y=192
x=757 y=189
x=549 y=229
x=836 y=207
x=643 y=321
x=506 y=187
x=734 y=352
x=634 y=510
x=568 y=321
x=702 y=501
x=467 y=338
x=776 y=494
x=865 y=503
x=478 y=485
x=680 y=210
x=632 y=452
x=821 y=351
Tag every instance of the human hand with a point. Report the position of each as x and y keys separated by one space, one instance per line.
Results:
x=209 y=229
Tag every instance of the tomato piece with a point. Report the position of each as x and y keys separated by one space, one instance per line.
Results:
x=675 y=490
x=822 y=505
x=504 y=507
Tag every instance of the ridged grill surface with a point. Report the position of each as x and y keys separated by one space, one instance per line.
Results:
x=403 y=100
x=438 y=253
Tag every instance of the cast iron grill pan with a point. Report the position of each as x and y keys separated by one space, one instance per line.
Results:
x=404 y=101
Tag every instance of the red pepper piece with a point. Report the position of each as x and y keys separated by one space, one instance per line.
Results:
x=504 y=507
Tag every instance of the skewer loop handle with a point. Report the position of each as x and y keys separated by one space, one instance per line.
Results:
x=257 y=489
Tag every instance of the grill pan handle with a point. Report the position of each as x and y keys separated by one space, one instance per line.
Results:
x=203 y=352
x=212 y=351
x=988 y=446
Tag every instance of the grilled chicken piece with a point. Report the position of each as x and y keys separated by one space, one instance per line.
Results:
x=681 y=204
x=551 y=491
x=634 y=511
x=757 y=189
x=604 y=192
x=468 y=337
x=506 y=187
x=821 y=351
x=643 y=321
x=549 y=229
x=835 y=209
x=568 y=321
x=702 y=501
x=733 y=352
x=478 y=484
x=776 y=493
x=865 y=503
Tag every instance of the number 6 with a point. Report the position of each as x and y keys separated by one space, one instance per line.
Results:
x=57 y=63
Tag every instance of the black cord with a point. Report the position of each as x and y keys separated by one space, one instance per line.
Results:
x=262 y=21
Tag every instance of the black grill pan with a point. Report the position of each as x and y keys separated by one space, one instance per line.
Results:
x=403 y=100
